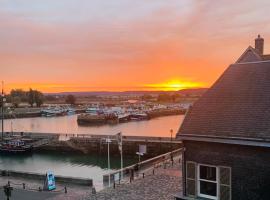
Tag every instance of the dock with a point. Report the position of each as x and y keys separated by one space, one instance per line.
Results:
x=95 y=144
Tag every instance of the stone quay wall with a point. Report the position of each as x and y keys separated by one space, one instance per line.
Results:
x=97 y=145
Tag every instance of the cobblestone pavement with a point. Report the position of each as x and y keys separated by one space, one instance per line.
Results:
x=163 y=185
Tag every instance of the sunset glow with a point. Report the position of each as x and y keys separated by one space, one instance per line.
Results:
x=111 y=45
x=175 y=85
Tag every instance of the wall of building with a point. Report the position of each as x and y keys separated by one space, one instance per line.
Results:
x=250 y=166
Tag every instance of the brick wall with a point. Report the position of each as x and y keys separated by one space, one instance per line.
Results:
x=250 y=166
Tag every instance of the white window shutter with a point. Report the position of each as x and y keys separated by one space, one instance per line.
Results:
x=191 y=178
x=224 y=183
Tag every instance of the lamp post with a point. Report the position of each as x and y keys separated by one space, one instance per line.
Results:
x=108 y=141
x=171 y=131
x=2 y=109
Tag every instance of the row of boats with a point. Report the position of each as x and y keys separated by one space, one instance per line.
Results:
x=112 y=115
x=57 y=111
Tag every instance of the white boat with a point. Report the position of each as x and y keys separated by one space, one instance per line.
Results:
x=52 y=111
x=94 y=111
x=137 y=116
x=123 y=117
x=71 y=111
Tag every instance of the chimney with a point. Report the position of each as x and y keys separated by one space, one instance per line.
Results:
x=259 y=42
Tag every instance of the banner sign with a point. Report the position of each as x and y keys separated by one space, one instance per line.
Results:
x=50 y=181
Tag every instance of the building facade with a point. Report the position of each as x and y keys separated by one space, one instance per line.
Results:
x=226 y=134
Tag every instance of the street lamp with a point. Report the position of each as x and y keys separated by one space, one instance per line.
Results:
x=3 y=100
x=108 y=141
x=171 y=131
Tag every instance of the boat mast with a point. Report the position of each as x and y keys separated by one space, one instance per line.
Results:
x=2 y=109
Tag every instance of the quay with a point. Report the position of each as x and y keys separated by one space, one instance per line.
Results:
x=41 y=177
x=95 y=144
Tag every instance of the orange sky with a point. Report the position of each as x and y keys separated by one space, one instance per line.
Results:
x=118 y=45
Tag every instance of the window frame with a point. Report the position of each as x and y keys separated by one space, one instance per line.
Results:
x=209 y=181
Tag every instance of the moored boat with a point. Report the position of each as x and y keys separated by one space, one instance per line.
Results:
x=15 y=147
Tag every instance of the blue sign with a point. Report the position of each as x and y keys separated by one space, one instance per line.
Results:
x=50 y=180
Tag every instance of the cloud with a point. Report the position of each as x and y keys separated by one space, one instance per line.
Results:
x=125 y=43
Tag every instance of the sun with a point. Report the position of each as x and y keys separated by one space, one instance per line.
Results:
x=174 y=85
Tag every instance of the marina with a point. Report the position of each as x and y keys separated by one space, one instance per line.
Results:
x=159 y=127
x=76 y=149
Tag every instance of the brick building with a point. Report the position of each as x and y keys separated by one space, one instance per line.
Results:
x=226 y=134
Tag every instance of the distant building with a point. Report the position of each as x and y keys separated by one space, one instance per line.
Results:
x=226 y=134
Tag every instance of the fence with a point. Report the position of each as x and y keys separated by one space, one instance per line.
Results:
x=144 y=165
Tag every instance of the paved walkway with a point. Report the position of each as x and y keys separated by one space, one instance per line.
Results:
x=162 y=185
x=74 y=192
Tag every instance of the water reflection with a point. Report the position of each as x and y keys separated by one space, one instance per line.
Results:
x=68 y=124
x=74 y=165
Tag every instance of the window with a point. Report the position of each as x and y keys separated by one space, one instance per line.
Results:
x=207 y=181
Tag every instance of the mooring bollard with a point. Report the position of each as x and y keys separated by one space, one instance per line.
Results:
x=23 y=185
x=65 y=189
x=94 y=192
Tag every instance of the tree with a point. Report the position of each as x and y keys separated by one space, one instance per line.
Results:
x=39 y=98
x=31 y=97
x=70 y=99
x=16 y=101
x=35 y=97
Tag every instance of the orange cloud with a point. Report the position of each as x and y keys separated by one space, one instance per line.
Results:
x=191 y=41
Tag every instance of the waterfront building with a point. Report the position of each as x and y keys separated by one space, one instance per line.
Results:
x=226 y=134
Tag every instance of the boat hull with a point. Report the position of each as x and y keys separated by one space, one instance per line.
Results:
x=26 y=150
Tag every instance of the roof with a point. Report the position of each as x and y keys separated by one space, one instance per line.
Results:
x=252 y=54
x=236 y=106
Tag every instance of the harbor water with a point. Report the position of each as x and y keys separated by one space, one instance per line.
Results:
x=159 y=127
x=86 y=166
x=72 y=165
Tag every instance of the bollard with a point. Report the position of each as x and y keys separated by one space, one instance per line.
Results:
x=39 y=189
x=65 y=189
x=8 y=183
x=143 y=175
x=113 y=185
x=23 y=185
x=7 y=191
x=130 y=179
x=153 y=171
x=94 y=192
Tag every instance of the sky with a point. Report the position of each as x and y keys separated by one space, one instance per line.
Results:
x=119 y=45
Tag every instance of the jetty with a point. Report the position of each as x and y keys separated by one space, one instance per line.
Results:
x=95 y=144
